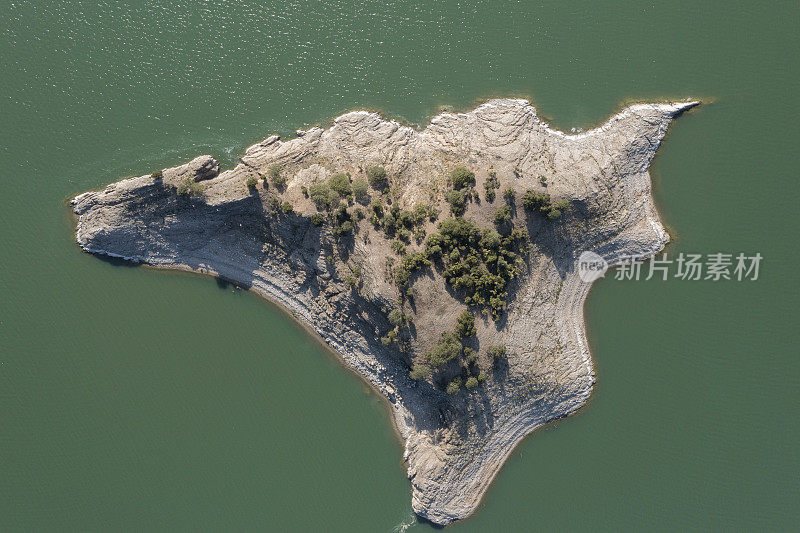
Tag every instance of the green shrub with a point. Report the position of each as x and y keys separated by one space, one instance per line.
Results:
x=377 y=178
x=509 y=194
x=471 y=383
x=462 y=178
x=420 y=371
x=465 y=325
x=322 y=196
x=541 y=202
x=411 y=262
x=535 y=201
x=404 y=235
x=251 y=182
x=470 y=355
x=304 y=190
x=189 y=187
x=276 y=176
x=491 y=185
x=446 y=349
x=317 y=219
x=454 y=386
x=389 y=224
x=502 y=215
x=398 y=247
x=496 y=352
x=343 y=223
x=389 y=338
x=287 y=208
x=157 y=175
x=457 y=200
x=396 y=317
x=361 y=190
x=340 y=183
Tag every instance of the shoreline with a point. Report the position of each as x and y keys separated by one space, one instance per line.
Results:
x=446 y=486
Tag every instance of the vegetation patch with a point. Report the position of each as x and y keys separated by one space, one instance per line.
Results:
x=478 y=262
x=542 y=203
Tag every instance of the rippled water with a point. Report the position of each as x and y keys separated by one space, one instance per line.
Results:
x=153 y=400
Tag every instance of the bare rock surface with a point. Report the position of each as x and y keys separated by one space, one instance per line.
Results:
x=342 y=287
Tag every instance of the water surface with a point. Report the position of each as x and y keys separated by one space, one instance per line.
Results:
x=134 y=398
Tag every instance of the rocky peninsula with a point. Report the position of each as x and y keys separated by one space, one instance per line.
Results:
x=440 y=264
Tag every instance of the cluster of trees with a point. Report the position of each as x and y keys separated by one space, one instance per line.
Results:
x=400 y=223
x=328 y=196
x=542 y=203
x=449 y=347
x=479 y=262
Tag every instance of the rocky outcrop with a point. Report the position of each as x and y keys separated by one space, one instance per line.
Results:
x=200 y=168
x=454 y=443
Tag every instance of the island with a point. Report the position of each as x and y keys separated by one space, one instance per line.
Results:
x=439 y=264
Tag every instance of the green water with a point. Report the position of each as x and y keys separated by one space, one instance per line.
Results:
x=134 y=399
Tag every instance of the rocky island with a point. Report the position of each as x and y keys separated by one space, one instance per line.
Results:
x=439 y=264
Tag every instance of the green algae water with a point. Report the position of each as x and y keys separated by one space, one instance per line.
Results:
x=140 y=399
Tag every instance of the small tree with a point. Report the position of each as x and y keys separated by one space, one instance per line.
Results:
x=502 y=215
x=361 y=190
x=509 y=194
x=157 y=175
x=465 y=326
x=472 y=383
x=377 y=177
x=535 y=201
x=462 y=178
x=321 y=195
x=396 y=317
x=454 y=386
x=398 y=247
x=275 y=173
x=317 y=219
x=420 y=371
x=340 y=183
x=496 y=352
x=446 y=348
x=457 y=200
x=251 y=182
x=189 y=187
x=287 y=208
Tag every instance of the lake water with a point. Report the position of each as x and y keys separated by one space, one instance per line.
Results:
x=141 y=399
